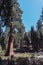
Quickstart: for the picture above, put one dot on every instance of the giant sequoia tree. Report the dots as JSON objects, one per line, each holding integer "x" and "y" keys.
{"x": 10, "y": 13}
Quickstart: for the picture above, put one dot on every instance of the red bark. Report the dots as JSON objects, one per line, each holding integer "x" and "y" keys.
{"x": 9, "y": 51}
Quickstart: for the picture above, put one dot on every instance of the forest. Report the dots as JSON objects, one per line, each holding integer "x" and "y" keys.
{"x": 12, "y": 28}
{"x": 18, "y": 47}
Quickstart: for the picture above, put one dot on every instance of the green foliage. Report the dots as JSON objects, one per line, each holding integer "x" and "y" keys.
{"x": 11, "y": 14}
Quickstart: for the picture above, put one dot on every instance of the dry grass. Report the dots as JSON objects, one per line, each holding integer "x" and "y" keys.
{"x": 22, "y": 55}
{"x": 19, "y": 55}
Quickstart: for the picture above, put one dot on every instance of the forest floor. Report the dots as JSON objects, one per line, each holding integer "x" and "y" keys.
{"x": 24, "y": 55}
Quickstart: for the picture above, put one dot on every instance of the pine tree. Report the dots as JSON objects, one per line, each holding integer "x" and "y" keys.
{"x": 11, "y": 17}
{"x": 34, "y": 39}
{"x": 40, "y": 30}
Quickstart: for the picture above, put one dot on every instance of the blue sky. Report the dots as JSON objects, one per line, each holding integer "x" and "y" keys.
{"x": 31, "y": 12}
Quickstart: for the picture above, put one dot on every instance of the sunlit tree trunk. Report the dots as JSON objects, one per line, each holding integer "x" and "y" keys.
{"x": 9, "y": 51}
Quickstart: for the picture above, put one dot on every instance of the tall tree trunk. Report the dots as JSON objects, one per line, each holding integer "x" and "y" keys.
{"x": 9, "y": 51}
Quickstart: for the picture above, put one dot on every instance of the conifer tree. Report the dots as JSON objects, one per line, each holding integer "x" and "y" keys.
{"x": 11, "y": 17}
